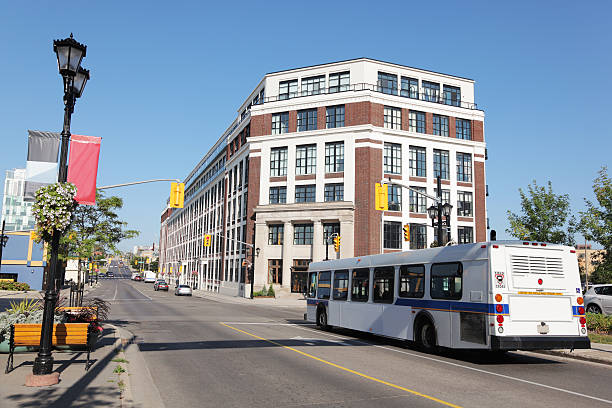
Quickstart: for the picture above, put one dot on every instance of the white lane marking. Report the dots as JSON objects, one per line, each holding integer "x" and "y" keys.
{"x": 458, "y": 365}
{"x": 116, "y": 289}
{"x": 269, "y": 323}
{"x": 141, "y": 293}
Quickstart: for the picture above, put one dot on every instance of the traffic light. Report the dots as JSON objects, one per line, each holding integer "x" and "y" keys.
{"x": 407, "y": 232}
{"x": 381, "y": 197}
{"x": 337, "y": 243}
{"x": 207, "y": 240}
{"x": 177, "y": 195}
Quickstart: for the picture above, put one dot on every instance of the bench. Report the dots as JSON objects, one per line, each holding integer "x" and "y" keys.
{"x": 64, "y": 334}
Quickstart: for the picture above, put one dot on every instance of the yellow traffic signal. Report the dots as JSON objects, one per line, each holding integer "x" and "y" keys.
{"x": 207, "y": 240}
{"x": 407, "y": 232}
{"x": 381, "y": 197}
{"x": 337, "y": 243}
{"x": 177, "y": 195}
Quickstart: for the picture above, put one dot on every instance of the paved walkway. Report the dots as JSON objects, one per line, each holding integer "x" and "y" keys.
{"x": 97, "y": 387}
{"x": 280, "y": 302}
{"x": 599, "y": 353}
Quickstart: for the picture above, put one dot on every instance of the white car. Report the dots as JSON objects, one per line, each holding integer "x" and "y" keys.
{"x": 182, "y": 290}
{"x": 598, "y": 299}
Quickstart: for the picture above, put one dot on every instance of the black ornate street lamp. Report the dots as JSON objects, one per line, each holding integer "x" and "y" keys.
{"x": 438, "y": 211}
{"x": 69, "y": 53}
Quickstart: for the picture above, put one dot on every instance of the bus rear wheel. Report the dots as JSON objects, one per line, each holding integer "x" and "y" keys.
{"x": 322, "y": 319}
{"x": 426, "y": 335}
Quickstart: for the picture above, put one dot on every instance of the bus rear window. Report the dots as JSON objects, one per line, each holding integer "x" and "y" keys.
{"x": 446, "y": 280}
{"x": 324, "y": 285}
{"x": 383, "y": 284}
{"x": 411, "y": 282}
{"x": 340, "y": 291}
{"x": 361, "y": 285}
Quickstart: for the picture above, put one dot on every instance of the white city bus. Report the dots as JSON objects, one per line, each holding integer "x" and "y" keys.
{"x": 500, "y": 295}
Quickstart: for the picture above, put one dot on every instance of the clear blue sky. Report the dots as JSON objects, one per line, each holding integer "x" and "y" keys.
{"x": 167, "y": 78}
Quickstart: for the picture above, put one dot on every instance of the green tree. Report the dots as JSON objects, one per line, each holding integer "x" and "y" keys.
{"x": 96, "y": 229}
{"x": 596, "y": 225}
{"x": 545, "y": 216}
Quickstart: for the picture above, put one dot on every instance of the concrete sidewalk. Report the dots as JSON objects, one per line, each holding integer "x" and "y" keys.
{"x": 100, "y": 386}
{"x": 20, "y": 294}
{"x": 257, "y": 301}
{"x": 598, "y": 353}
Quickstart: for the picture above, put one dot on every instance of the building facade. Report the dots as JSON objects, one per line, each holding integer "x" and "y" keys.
{"x": 16, "y": 212}
{"x": 300, "y": 162}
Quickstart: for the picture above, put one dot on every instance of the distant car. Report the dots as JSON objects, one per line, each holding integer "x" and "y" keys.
{"x": 138, "y": 278}
{"x": 110, "y": 275}
{"x": 160, "y": 285}
{"x": 182, "y": 290}
{"x": 598, "y": 299}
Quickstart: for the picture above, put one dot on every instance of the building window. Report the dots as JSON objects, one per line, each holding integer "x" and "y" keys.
{"x": 334, "y": 116}
{"x": 465, "y": 235}
{"x": 302, "y": 234}
{"x": 328, "y": 230}
{"x": 452, "y": 95}
{"x": 307, "y": 120}
{"x": 464, "y": 167}
{"x": 387, "y": 83}
{"x": 445, "y": 195}
{"x": 275, "y": 271}
{"x": 418, "y": 202}
{"x": 334, "y": 192}
{"x": 392, "y": 235}
{"x": 280, "y": 123}
{"x": 339, "y": 82}
{"x": 418, "y": 236}
{"x": 464, "y": 204}
{"x": 305, "y": 194}
{"x": 278, "y": 162}
{"x": 334, "y": 157}
{"x": 417, "y": 162}
{"x": 275, "y": 234}
{"x": 431, "y": 91}
{"x": 394, "y": 197}
{"x": 313, "y": 85}
{"x": 278, "y": 195}
{"x": 287, "y": 89}
{"x": 446, "y": 281}
{"x": 393, "y": 158}
{"x": 393, "y": 118}
{"x": 410, "y": 88}
{"x": 463, "y": 129}
{"x": 440, "y": 125}
{"x": 306, "y": 159}
{"x": 441, "y": 167}
{"x": 416, "y": 122}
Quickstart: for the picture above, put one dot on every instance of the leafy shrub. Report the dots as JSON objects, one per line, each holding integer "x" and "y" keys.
{"x": 271, "y": 291}
{"x": 4, "y": 285}
{"x": 599, "y": 323}
{"x": 26, "y": 305}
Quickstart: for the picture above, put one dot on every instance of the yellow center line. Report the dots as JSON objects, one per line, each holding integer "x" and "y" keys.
{"x": 397, "y": 387}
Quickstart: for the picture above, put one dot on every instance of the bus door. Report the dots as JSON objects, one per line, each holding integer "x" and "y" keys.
{"x": 446, "y": 289}
{"x": 311, "y": 297}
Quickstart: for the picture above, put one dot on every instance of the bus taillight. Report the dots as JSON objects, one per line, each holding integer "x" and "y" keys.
{"x": 581, "y": 310}
{"x": 582, "y": 320}
{"x": 500, "y": 319}
{"x": 580, "y": 300}
{"x": 498, "y": 298}
{"x": 540, "y": 281}
{"x": 499, "y": 308}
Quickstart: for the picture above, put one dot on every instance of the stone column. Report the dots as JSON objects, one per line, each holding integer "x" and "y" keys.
{"x": 261, "y": 261}
{"x": 287, "y": 254}
{"x": 318, "y": 250}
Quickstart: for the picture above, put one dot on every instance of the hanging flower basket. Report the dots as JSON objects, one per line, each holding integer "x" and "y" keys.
{"x": 53, "y": 209}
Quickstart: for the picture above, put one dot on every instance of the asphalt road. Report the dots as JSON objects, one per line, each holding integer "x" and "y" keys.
{"x": 206, "y": 353}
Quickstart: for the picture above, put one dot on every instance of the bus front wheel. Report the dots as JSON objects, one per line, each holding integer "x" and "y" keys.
{"x": 322, "y": 319}
{"x": 426, "y": 335}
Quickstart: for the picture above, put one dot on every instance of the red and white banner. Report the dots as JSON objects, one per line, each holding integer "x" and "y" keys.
{"x": 83, "y": 167}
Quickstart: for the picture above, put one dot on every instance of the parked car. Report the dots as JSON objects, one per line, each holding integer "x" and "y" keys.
{"x": 150, "y": 277}
{"x": 160, "y": 285}
{"x": 598, "y": 299}
{"x": 182, "y": 290}
{"x": 138, "y": 278}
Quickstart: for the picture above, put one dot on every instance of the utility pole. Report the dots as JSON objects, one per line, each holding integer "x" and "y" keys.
{"x": 586, "y": 267}
{"x": 3, "y": 241}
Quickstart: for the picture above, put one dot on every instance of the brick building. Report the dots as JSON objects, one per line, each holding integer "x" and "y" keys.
{"x": 301, "y": 160}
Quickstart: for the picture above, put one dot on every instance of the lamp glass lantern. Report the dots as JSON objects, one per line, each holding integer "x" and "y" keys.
{"x": 432, "y": 211}
{"x": 70, "y": 53}
{"x": 79, "y": 82}
{"x": 446, "y": 209}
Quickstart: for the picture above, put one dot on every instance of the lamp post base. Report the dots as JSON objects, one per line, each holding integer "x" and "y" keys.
{"x": 43, "y": 365}
{"x": 33, "y": 380}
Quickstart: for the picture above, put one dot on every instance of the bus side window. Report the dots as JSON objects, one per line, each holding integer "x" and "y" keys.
{"x": 446, "y": 280}
{"x": 324, "y": 285}
{"x": 312, "y": 285}
{"x": 340, "y": 291}
{"x": 412, "y": 279}
{"x": 383, "y": 284}
{"x": 361, "y": 285}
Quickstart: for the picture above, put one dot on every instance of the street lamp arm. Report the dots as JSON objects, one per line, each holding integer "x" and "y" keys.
{"x": 436, "y": 199}
{"x": 136, "y": 182}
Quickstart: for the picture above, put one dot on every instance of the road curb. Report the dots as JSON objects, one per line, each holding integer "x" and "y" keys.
{"x": 569, "y": 354}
